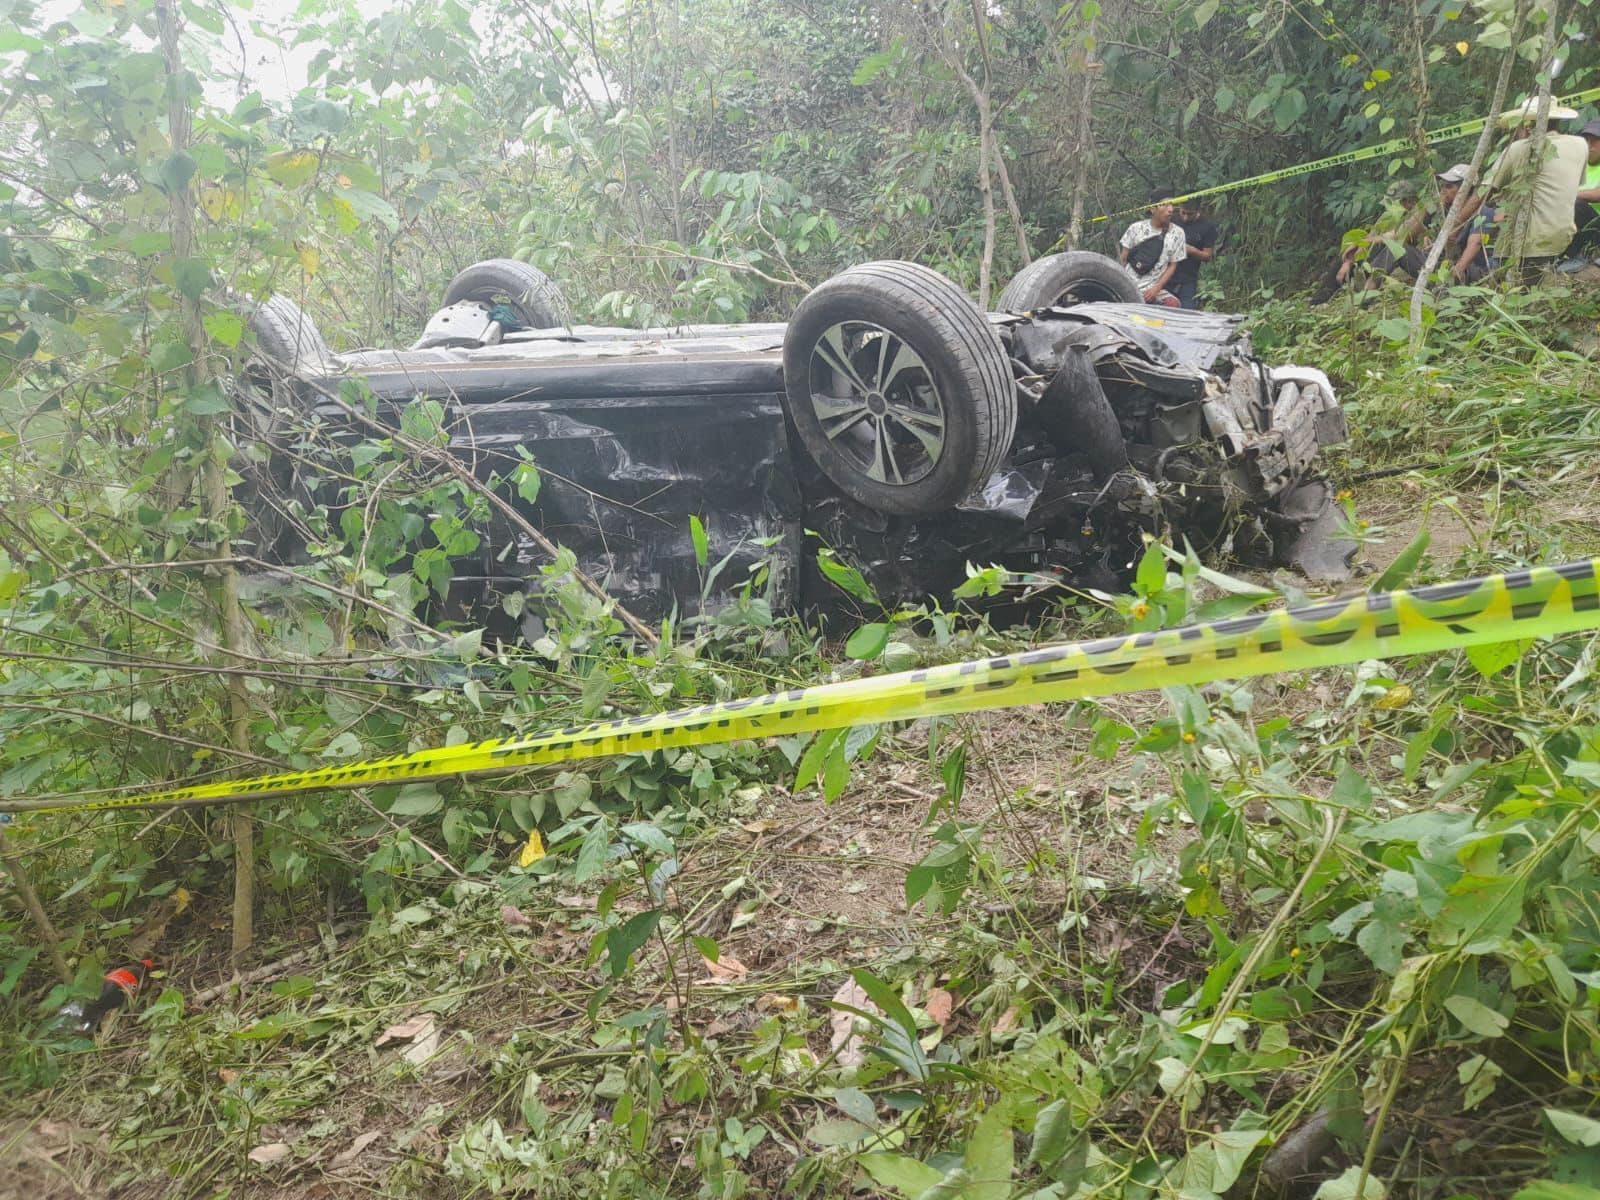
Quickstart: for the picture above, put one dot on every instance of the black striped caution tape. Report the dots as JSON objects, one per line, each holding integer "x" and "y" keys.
{"x": 1366, "y": 153}
{"x": 1497, "y": 608}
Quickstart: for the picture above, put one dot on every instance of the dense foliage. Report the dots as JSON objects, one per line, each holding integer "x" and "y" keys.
{"x": 1367, "y": 893}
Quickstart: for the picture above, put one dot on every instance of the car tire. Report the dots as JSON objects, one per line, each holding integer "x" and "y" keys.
{"x": 898, "y": 387}
{"x": 529, "y": 292}
{"x": 288, "y": 337}
{"x": 1073, "y": 277}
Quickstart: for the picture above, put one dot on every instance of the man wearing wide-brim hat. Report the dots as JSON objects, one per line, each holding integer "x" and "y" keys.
{"x": 1537, "y": 200}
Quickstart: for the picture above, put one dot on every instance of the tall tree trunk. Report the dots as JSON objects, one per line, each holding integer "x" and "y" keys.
{"x": 986, "y": 265}
{"x": 1012, "y": 207}
{"x": 1082, "y": 152}
{"x": 1541, "y": 122}
{"x": 214, "y": 482}
{"x": 1479, "y": 152}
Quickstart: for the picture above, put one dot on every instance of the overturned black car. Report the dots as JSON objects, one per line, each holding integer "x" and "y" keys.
{"x": 889, "y": 420}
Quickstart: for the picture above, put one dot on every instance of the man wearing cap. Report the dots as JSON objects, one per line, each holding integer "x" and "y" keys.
{"x": 1400, "y": 226}
{"x": 1467, "y": 247}
{"x": 1537, "y": 200}
{"x": 1587, "y": 215}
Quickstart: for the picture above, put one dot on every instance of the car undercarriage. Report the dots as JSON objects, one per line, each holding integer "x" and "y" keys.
{"x": 889, "y": 421}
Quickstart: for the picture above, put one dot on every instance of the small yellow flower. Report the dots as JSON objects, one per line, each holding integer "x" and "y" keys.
{"x": 1344, "y": 494}
{"x": 1140, "y": 610}
{"x": 1295, "y": 953}
{"x": 1203, "y": 869}
{"x": 1188, "y": 737}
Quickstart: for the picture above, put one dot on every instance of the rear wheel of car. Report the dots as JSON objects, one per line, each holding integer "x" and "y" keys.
{"x": 1073, "y": 277}
{"x": 287, "y": 336}
{"x": 898, "y": 387}
{"x": 269, "y": 407}
{"x": 526, "y": 290}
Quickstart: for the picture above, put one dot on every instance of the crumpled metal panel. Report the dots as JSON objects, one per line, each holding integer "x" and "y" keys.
{"x": 1170, "y": 337}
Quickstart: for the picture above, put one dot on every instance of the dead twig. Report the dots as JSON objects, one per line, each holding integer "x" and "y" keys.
{"x": 30, "y": 900}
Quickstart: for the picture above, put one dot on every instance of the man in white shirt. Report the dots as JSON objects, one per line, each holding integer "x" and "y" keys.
{"x": 1535, "y": 200}
{"x": 1152, "y": 250}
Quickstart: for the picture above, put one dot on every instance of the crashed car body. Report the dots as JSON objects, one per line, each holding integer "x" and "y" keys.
{"x": 889, "y": 420}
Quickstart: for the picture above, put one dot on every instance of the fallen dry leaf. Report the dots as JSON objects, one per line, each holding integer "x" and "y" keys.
{"x": 1007, "y": 1021}
{"x": 347, "y": 1156}
{"x": 410, "y": 1028}
{"x": 939, "y": 1005}
{"x": 777, "y": 1002}
{"x": 847, "y": 1045}
{"x": 227, "y": 1075}
{"x": 424, "y": 1045}
{"x": 514, "y": 917}
{"x": 727, "y": 969}
{"x": 765, "y": 825}
{"x": 272, "y": 1152}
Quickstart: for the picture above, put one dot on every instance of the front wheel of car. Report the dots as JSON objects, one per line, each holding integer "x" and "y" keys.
{"x": 526, "y": 290}
{"x": 1072, "y": 277}
{"x": 898, "y": 387}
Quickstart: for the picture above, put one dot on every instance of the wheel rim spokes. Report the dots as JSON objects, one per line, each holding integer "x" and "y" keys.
{"x": 874, "y": 398}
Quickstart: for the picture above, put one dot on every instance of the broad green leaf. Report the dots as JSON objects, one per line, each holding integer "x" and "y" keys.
{"x": 416, "y": 914}
{"x": 838, "y": 1131}
{"x": 192, "y": 276}
{"x": 592, "y": 852}
{"x": 1204, "y": 13}
{"x": 905, "y": 1175}
{"x": 1152, "y": 574}
{"x": 989, "y": 1156}
{"x": 1479, "y": 913}
{"x": 224, "y": 328}
{"x": 624, "y": 940}
{"x": 1232, "y": 1149}
{"x": 1052, "y": 1132}
{"x": 868, "y": 642}
{"x": 1495, "y": 657}
{"x": 292, "y": 168}
{"x": 1477, "y": 1017}
{"x": 815, "y": 756}
{"x": 1549, "y": 1189}
{"x": 1400, "y": 570}
{"x": 650, "y": 837}
{"x": 1383, "y": 938}
{"x": 1575, "y": 1127}
{"x": 845, "y": 577}
{"x": 1478, "y": 1077}
{"x": 417, "y": 800}
{"x": 176, "y": 171}
{"x": 1348, "y": 1186}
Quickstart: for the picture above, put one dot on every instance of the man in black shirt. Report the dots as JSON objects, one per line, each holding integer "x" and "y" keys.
{"x": 1201, "y": 234}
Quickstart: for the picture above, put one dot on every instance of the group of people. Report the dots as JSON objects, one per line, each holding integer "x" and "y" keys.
{"x": 1526, "y": 214}
{"x": 1529, "y": 214}
{"x": 1166, "y": 249}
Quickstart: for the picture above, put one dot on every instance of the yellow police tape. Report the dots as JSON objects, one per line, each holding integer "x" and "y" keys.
{"x": 1536, "y": 602}
{"x": 1381, "y": 150}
